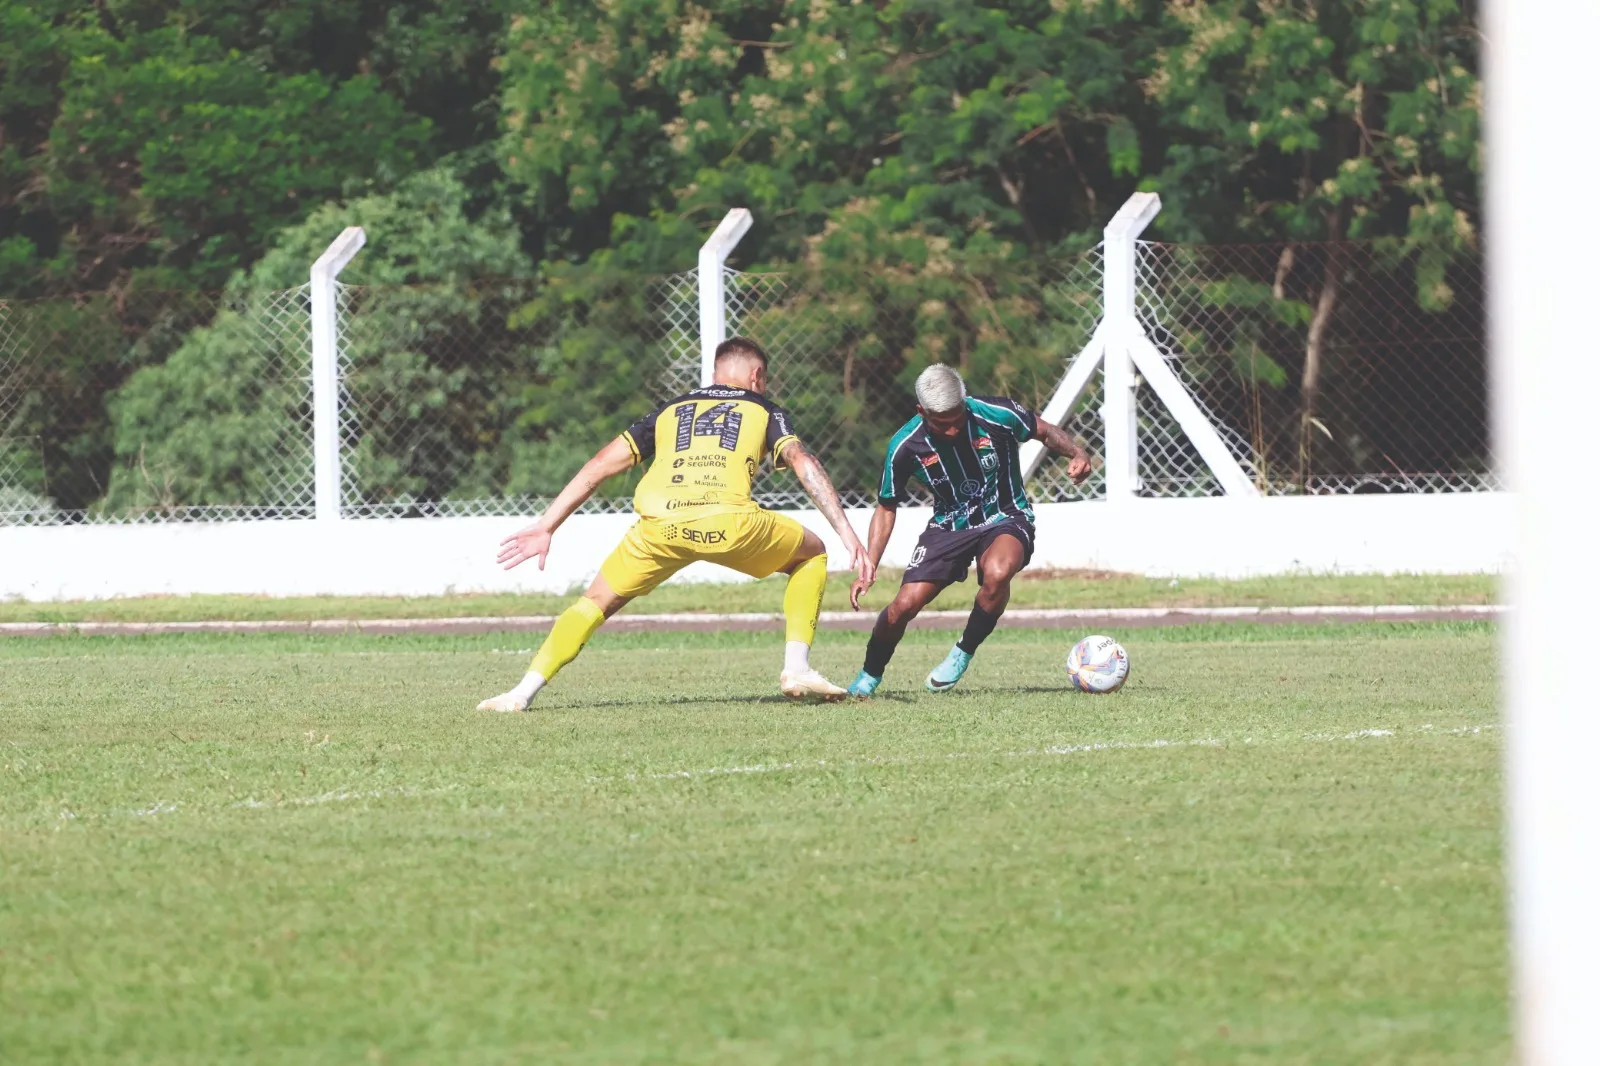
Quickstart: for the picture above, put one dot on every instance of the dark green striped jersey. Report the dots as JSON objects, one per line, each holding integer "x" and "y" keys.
{"x": 975, "y": 478}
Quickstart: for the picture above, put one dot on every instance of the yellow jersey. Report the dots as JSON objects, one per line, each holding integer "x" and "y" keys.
{"x": 704, "y": 449}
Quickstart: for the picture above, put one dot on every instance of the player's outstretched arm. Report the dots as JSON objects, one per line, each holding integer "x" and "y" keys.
{"x": 877, "y": 540}
{"x": 814, "y": 479}
{"x": 533, "y": 542}
{"x": 1059, "y": 441}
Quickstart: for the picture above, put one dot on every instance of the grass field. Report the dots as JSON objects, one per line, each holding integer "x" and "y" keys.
{"x": 1036, "y": 589}
{"x": 1276, "y": 845}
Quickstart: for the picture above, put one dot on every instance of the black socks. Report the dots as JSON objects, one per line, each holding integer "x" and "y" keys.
{"x": 879, "y": 649}
{"x": 980, "y": 624}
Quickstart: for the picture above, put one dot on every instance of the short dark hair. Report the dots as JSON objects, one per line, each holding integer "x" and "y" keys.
{"x": 741, "y": 346}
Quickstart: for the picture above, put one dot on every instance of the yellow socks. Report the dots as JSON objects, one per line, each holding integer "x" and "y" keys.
{"x": 568, "y": 636}
{"x": 802, "y": 600}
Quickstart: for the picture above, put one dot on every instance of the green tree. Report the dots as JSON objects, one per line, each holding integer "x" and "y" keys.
{"x": 147, "y": 136}
{"x": 1308, "y": 122}
{"x": 226, "y": 419}
{"x": 923, "y": 172}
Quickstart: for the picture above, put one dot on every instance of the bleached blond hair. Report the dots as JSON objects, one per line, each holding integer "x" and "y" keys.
{"x": 940, "y": 389}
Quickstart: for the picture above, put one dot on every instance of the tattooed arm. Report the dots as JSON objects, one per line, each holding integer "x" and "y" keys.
{"x": 814, "y": 479}
{"x": 1059, "y": 441}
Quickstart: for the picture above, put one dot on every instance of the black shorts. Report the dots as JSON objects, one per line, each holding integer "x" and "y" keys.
{"x": 943, "y": 556}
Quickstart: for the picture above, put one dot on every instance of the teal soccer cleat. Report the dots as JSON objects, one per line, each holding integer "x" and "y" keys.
{"x": 946, "y": 674}
{"x": 864, "y": 685}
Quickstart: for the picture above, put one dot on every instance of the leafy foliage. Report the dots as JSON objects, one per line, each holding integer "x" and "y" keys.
{"x": 142, "y": 136}
{"x": 226, "y": 419}
{"x": 923, "y": 173}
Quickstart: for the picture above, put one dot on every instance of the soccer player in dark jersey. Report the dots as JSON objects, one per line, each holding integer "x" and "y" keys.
{"x": 965, "y": 450}
{"x": 694, "y": 503}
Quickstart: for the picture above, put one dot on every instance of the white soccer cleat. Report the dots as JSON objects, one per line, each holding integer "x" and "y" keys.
{"x": 506, "y": 701}
{"x": 798, "y": 686}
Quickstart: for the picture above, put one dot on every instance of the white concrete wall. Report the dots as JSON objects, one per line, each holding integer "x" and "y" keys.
{"x": 1467, "y": 533}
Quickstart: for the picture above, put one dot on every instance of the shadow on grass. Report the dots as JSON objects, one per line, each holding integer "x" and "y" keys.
{"x": 691, "y": 701}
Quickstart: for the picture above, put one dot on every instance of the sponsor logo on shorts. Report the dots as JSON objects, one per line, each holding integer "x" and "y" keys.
{"x": 918, "y": 554}
{"x": 705, "y": 536}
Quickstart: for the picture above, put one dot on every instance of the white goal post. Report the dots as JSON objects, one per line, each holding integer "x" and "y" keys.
{"x": 1545, "y": 380}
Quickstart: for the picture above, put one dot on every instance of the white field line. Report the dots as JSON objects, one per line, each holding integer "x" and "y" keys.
{"x": 1023, "y": 616}
{"x": 1054, "y": 751}
{"x": 1031, "y": 753}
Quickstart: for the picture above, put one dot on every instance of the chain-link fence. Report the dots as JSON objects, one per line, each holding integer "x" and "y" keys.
{"x": 155, "y": 406}
{"x": 485, "y": 398}
{"x": 1326, "y": 368}
{"x": 846, "y": 351}
{"x": 1321, "y": 366}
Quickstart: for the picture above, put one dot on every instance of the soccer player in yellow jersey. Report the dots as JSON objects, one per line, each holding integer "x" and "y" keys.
{"x": 694, "y": 503}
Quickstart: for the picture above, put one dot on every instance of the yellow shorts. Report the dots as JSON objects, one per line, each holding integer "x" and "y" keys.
{"x": 752, "y": 542}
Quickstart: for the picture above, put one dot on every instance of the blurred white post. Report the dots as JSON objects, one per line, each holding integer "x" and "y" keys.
{"x": 713, "y": 304}
{"x": 1546, "y": 383}
{"x": 1120, "y": 409}
{"x": 325, "y": 367}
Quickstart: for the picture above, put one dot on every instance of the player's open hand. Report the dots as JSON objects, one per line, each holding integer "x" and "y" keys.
{"x": 532, "y": 542}
{"x": 1078, "y": 468}
{"x": 866, "y": 574}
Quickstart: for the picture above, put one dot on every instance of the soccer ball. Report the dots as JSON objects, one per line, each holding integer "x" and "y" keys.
{"x": 1097, "y": 664}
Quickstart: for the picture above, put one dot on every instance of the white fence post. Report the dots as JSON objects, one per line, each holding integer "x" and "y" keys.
{"x": 713, "y": 309}
{"x": 1196, "y": 426}
{"x": 1121, "y": 409}
{"x": 1066, "y": 396}
{"x": 1120, "y": 341}
{"x": 325, "y": 368}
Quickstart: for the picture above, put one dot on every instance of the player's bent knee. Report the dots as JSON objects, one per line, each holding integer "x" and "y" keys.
{"x": 997, "y": 580}
{"x": 603, "y": 596}
{"x": 904, "y": 607}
